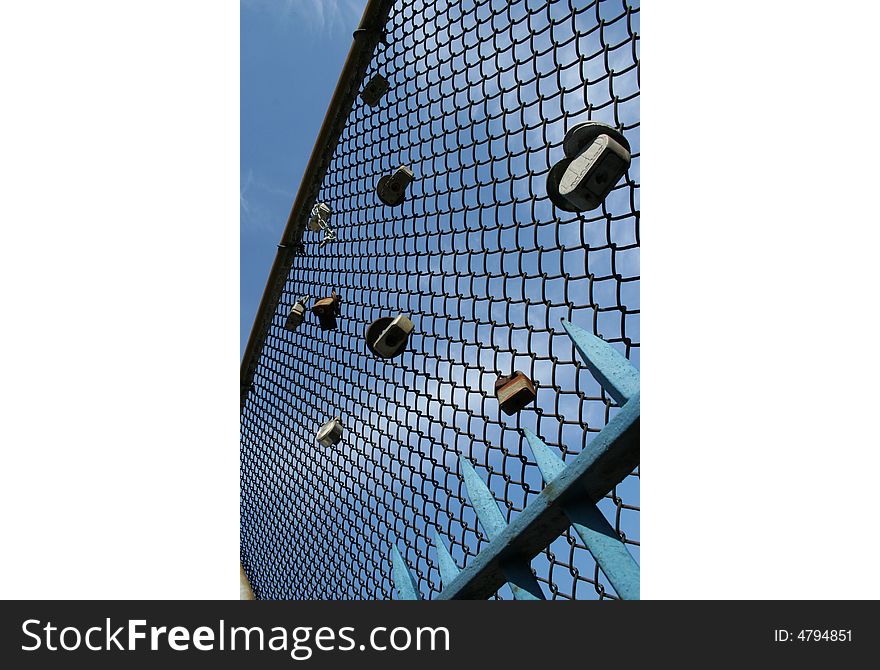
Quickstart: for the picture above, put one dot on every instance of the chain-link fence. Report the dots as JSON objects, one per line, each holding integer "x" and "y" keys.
{"x": 481, "y": 96}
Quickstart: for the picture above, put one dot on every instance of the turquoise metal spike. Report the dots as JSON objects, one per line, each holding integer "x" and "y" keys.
{"x": 448, "y": 569}
{"x": 403, "y": 579}
{"x": 606, "y": 460}
{"x": 590, "y": 524}
{"x": 610, "y": 368}
{"x": 518, "y": 573}
{"x": 549, "y": 463}
{"x": 522, "y": 581}
{"x": 607, "y": 548}
{"x": 491, "y": 518}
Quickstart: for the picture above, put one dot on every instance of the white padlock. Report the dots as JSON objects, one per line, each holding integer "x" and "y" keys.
{"x": 320, "y": 217}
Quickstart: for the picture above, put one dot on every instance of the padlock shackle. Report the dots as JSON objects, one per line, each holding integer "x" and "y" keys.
{"x": 375, "y": 331}
{"x": 579, "y": 137}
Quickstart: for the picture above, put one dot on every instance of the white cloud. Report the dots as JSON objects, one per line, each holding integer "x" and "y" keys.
{"x": 323, "y": 17}
{"x": 263, "y": 206}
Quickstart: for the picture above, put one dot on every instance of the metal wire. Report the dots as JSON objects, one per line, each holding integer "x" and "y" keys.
{"x": 481, "y": 96}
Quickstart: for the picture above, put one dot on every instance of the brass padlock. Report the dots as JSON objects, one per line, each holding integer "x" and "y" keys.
{"x": 391, "y": 188}
{"x": 297, "y": 314}
{"x": 597, "y": 156}
{"x": 327, "y": 309}
{"x": 514, "y": 392}
{"x": 387, "y": 336}
{"x": 330, "y": 433}
{"x": 374, "y": 90}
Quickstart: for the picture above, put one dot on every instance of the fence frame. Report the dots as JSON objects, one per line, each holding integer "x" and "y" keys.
{"x": 570, "y": 492}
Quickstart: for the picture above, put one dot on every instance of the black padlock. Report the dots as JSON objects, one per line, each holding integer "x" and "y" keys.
{"x": 391, "y": 188}
{"x": 327, "y": 309}
{"x": 374, "y": 90}
{"x": 514, "y": 392}
{"x": 387, "y": 336}
{"x": 597, "y": 156}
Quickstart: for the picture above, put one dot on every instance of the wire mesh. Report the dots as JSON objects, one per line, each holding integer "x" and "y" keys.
{"x": 481, "y": 96}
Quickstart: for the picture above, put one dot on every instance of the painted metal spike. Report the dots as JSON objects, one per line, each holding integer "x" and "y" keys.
{"x": 519, "y": 574}
{"x": 590, "y": 524}
{"x": 607, "y": 548}
{"x": 448, "y": 569}
{"x": 606, "y": 460}
{"x": 610, "y": 368}
{"x": 403, "y": 579}
{"x": 522, "y": 581}
{"x": 549, "y": 463}
{"x": 490, "y": 516}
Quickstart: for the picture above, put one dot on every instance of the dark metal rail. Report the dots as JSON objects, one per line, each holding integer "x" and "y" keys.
{"x": 369, "y": 33}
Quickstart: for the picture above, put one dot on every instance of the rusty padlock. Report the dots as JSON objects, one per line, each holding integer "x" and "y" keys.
{"x": 514, "y": 392}
{"x": 391, "y": 188}
{"x": 330, "y": 433}
{"x": 374, "y": 90}
{"x": 297, "y": 314}
{"x": 387, "y": 336}
{"x": 596, "y": 157}
{"x": 327, "y": 309}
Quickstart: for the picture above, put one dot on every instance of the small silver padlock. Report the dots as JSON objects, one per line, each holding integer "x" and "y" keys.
{"x": 391, "y": 188}
{"x": 387, "y": 336}
{"x": 597, "y": 156}
{"x": 319, "y": 219}
{"x": 330, "y": 433}
{"x": 297, "y": 314}
{"x": 374, "y": 90}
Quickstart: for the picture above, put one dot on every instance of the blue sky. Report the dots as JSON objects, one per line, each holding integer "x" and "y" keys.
{"x": 509, "y": 299}
{"x": 291, "y": 54}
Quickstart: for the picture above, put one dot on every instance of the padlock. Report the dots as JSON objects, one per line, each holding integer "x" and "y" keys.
{"x": 297, "y": 314}
{"x": 327, "y": 309}
{"x": 330, "y": 433}
{"x": 596, "y": 157}
{"x": 391, "y": 188}
{"x": 387, "y": 336}
{"x": 514, "y": 392}
{"x": 319, "y": 219}
{"x": 374, "y": 90}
